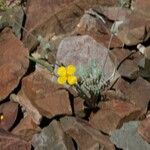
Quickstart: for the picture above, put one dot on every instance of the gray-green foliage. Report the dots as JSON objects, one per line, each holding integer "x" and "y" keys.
{"x": 45, "y": 47}
{"x": 3, "y": 5}
{"x": 124, "y": 3}
{"x": 91, "y": 81}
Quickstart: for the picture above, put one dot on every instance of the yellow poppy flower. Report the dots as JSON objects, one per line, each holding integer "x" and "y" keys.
{"x": 66, "y": 75}
{"x": 72, "y": 80}
{"x": 62, "y": 80}
{"x": 61, "y": 71}
{"x": 70, "y": 70}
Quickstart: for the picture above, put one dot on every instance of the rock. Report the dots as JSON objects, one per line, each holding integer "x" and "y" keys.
{"x": 144, "y": 66}
{"x": 144, "y": 129}
{"x": 137, "y": 57}
{"x": 13, "y": 64}
{"x": 9, "y": 141}
{"x": 9, "y": 110}
{"x": 78, "y": 49}
{"x": 116, "y": 13}
{"x": 127, "y": 137}
{"x": 120, "y": 87}
{"x": 144, "y": 63}
{"x": 78, "y": 105}
{"x": 134, "y": 30}
{"x": 142, "y": 6}
{"x": 52, "y": 137}
{"x": 113, "y": 114}
{"x": 129, "y": 70}
{"x": 84, "y": 135}
{"x": 12, "y": 18}
{"x": 63, "y": 19}
{"x": 32, "y": 111}
{"x": 126, "y": 67}
{"x": 13, "y": 3}
{"x": 112, "y": 94}
{"x": 137, "y": 92}
{"x": 48, "y": 98}
{"x": 98, "y": 28}
{"x": 118, "y": 55}
{"x": 26, "y": 129}
{"x": 42, "y": 10}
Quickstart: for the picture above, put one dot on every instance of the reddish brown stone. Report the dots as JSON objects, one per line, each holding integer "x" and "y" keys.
{"x": 9, "y": 141}
{"x": 47, "y": 97}
{"x": 96, "y": 28}
{"x": 137, "y": 92}
{"x": 126, "y": 67}
{"x": 42, "y": 9}
{"x": 129, "y": 69}
{"x": 144, "y": 129}
{"x": 9, "y": 110}
{"x": 26, "y": 129}
{"x": 116, "y": 13}
{"x": 134, "y": 30}
{"x": 63, "y": 18}
{"x": 118, "y": 55}
{"x": 85, "y": 136}
{"x": 78, "y": 105}
{"x": 13, "y": 62}
{"x": 113, "y": 114}
{"x": 143, "y": 7}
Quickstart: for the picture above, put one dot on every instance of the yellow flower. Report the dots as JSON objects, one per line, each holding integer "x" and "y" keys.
{"x": 1, "y": 117}
{"x": 66, "y": 75}
{"x": 72, "y": 80}
{"x": 61, "y": 71}
{"x": 71, "y": 70}
{"x": 62, "y": 80}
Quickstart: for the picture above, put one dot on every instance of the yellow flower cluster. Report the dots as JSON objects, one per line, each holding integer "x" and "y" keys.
{"x": 67, "y": 75}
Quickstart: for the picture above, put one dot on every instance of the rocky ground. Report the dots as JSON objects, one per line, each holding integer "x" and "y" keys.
{"x": 36, "y": 112}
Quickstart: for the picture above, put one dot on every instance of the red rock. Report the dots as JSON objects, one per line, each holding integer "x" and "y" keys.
{"x": 42, "y": 9}
{"x": 32, "y": 111}
{"x": 47, "y": 97}
{"x": 13, "y": 62}
{"x": 137, "y": 92}
{"x": 143, "y": 7}
{"x": 26, "y": 129}
{"x": 134, "y": 30}
{"x": 84, "y": 135}
{"x": 120, "y": 87}
{"x": 144, "y": 129}
{"x": 116, "y": 13}
{"x": 113, "y": 114}
{"x": 78, "y": 105}
{"x": 9, "y": 110}
{"x": 61, "y": 20}
{"x": 126, "y": 67}
{"x": 129, "y": 69}
{"x": 96, "y": 28}
{"x": 118, "y": 55}
{"x": 9, "y": 141}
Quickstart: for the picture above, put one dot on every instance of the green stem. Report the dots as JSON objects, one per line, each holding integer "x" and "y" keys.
{"x": 42, "y": 63}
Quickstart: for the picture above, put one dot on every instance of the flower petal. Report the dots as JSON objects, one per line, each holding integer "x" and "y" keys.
{"x": 71, "y": 70}
{"x": 61, "y": 71}
{"x": 62, "y": 80}
{"x": 72, "y": 80}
